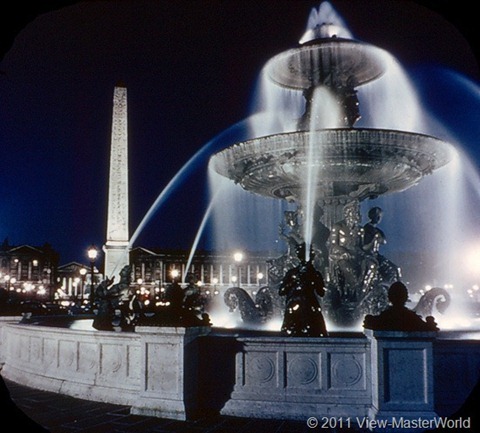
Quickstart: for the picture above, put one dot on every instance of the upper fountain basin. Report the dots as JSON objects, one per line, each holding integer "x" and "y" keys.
{"x": 332, "y": 61}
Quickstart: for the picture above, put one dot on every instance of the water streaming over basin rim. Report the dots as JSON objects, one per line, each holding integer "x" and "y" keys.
{"x": 356, "y": 160}
{"x": 308, "y": 65}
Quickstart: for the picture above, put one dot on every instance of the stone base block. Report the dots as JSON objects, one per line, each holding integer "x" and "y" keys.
{"x": 169, "y": 371}
{"x": 170, "y": 409}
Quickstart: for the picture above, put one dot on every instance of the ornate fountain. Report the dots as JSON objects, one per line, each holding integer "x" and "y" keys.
{"x": 350, "y": 165}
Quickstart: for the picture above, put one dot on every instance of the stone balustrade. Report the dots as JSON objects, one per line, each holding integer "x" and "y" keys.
{"x": 179, "y": 373}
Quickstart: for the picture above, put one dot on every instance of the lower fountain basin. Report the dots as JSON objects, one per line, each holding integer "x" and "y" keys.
{"x": 169, "y": 372}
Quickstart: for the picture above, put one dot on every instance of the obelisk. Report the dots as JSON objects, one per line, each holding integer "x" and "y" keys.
{"x": 116, "y": 247}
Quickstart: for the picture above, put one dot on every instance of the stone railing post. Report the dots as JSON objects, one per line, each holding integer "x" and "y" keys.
{"x": 169, "y": 371}
{"x": 402, "y": 376}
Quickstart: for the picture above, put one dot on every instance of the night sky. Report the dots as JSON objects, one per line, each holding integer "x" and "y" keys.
{"x": 190, "y": 68}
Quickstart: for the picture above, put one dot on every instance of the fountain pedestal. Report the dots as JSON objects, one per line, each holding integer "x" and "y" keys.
{"x": 402, "y": 376}
{"x": 169, "y": 371}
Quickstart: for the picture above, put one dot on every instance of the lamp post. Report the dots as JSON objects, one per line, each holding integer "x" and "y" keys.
{"x": 92, "y": 255}
{"x": 215, "y": 282}
{"x": 238, "y": 257}
{"x": 83, "y": 272}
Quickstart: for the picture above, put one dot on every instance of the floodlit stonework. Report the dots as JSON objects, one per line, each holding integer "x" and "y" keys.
{"x": 117, "y": 238}
{"x": 180, "y": 372}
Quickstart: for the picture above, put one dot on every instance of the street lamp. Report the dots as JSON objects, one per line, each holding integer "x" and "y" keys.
{"x": 238, "y": 256}
{"x": 259, "y": 277}
{"x": 92, "y": 255}
{"x": 174, "y": 273}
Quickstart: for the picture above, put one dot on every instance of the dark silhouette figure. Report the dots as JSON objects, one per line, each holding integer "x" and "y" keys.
{"x": 398, "y": 317}
{"x": 301, "y": 285}
{"x": 193, "y": 300}
{"x": 172, "y": 311}
{"x": 104, "y": 316}
{"x": 13, "y": 416}
{"x": 174, "y": 299}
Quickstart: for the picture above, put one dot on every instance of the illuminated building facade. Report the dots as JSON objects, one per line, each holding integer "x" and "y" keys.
{"x": 162, "y": 266}
{"x": 29, "y": 271}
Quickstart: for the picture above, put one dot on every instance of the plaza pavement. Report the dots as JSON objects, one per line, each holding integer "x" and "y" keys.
{"x": 27, "y": 410}
{"x": 62, "y": 414}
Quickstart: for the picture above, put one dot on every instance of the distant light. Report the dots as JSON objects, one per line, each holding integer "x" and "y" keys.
{"x": 238, "y": 256}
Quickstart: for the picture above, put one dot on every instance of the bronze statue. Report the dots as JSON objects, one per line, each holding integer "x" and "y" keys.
{"x": 351, "y": 268}
{"x": 290, "y": 230}
{"x": 110, "y": 299}
{"x": 398, "y": 317}
{"x": 301, "y": 286}
{"x": 373, "y": 238}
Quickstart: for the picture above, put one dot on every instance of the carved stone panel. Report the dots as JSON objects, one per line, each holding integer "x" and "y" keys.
{"x": 304, "y": 370}
{"x": 87, "y": 357}
{"x": 347, "y": 371}
{"x": 67, "y": 359}
{"x": 261, "y": 369}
